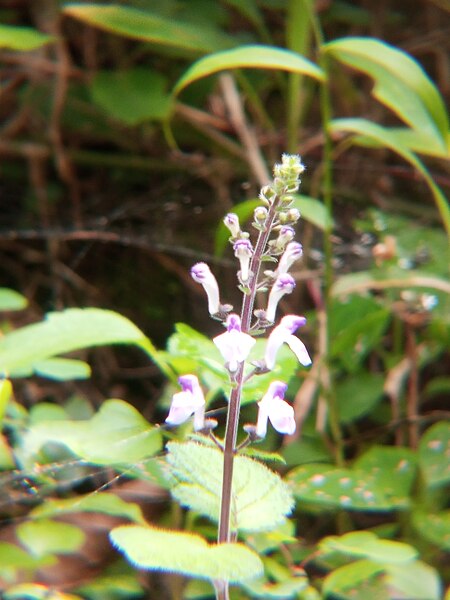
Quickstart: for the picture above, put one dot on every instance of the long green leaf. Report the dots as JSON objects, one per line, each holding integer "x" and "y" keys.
{"x": 150, "y": 27}
{"x": 66, "y": 331}
{"x": 253, "y": 57}
{"x": 400, "y": 83}
{"x": 185, "y": 553}
{"x": 387, "y": 138}
{"x": 22, "y": 38}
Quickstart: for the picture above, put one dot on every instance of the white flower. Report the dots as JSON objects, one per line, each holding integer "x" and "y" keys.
{"x": 234, "y": 345}
{"x": 293, "y": 252}
{"x": 283, "y": 334}
{"x": 284, "y": 284}
{"x": 243, "y": 250}
{"x": 231, "y": 222}
{"x": 189, "y": 401}
{"x": 273, "y": 407}
{"x": 201, "y": 273}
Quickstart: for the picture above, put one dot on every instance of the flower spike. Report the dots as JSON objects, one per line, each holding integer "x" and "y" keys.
{"x": 234, "y": 345}
{"x": 284, "y": 284}
{"x": 187, "y": 402}
{"x": 201, "y": 273}
{"x": 283, "y": 334}
{"x": 273, "y": 407}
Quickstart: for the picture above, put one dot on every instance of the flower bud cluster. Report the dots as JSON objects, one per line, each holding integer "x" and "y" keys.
{"x": 275, "y": 216}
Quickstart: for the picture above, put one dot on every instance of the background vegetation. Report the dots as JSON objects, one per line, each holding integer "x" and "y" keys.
{"x": 123, "y": 143}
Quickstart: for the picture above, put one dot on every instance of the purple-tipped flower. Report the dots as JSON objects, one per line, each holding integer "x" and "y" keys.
{"x": 293, "y": 252}
{"x": 201, "y": 273}
{"x": 285, "y": 236}
{"x": 243, "y": 250}
{"x": 283, "y": 334}
{"x": 284, "y": 284}
{"x": 231, "y": 222}
{"x": 234, "y": 345}
{"x": 190, "y": 401}
{"x": 273, "y": 407}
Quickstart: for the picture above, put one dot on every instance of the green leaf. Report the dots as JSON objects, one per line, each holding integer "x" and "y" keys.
{"x": 421, "y": 142}
{"x": 185, "y": 553}
{"x": 66, "y": 331}
{"x": 22, "y": 38}
{"x": 434, "y": 450}
{"x": 62, "y": 369}
{"x": 116, "y": 434}
{"x": 9, "y": 299}
{"x": 350, "y": 577}
{"x": 261, "y": 500}
{"x": 132, "y": 96}
{"x": 104, "y": 502}
{"x": 36, "y": 591}
{"x": 365, "y": 544}
{"x": 150, "y": 27}
{"x": 44, "y": 537}
{"x": 433, "y": 527}
{"x": 358, "y": 396}
{"x": 252, "y": 57}
{"x": 12, "y": 557}
{"x": 393, "y": 470}
{"x": 330, "y": 488}
{"x": 288, "y": 588}
{"x": 5, "y": 395}
{"x": 414, "y": 581}
{"x": 400, "y": 83}
{"x": 313, "y": 211}
{"x": 387, "y": 138}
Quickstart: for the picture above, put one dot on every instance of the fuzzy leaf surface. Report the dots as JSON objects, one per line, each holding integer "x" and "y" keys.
{"x": 434, "y": 450}
{"x": 185, "y": 553}
{"x": 261, "y": 500}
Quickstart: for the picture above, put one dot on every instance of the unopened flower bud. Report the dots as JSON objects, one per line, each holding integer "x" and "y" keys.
{"x": 284, "y": 284}
{"x": 231, "y": 222}
{"x": 293, "y": 215}
{"x": 260, "y": 214}
{"x": 243, "y": 250}
{"x": 201, "y": 273}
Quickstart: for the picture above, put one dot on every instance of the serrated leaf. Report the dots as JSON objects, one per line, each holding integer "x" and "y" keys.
{"x": 45, "y": 536}
{"x": 255, "y": 57}
{"x": 185, "y": 553}
{"x": 22, "y": 38}
{"x": 62, "y": 369}
{"x": 433, "y": 527}
{"x": 434, "y": 450}
{"x": 10, "y": 299}
{"x": 400, "y": 83}
{"x": 132, "y": 96}
{"x": 150, "y": 27}
{"x": 116, "y": 434}
{"x": 104, "y": 502}
{"x": 261, "y": 500}
{"x": 67, "y": 331}
{"x": 365, "y": 544}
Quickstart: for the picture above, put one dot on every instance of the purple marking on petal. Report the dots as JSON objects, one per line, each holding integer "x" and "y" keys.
{"x": 187, "y": 382}
{"x": 278, "y": 389}
{"x": 285, "y": 281}
{"x": 233, "y": 322}
{"x": 292, "y": 322}
{"x": 243, "y": 246}
{"x": 200, "y": 271}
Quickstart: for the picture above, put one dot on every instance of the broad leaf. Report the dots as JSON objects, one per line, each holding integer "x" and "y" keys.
{"x": 44, "y": 537}
{"x": 10, "y": 299}
{"x": 116, "y": 434}
{"x": 344, "y": 582}
{"x": 62, "y": 369}
{"x": 365, "y": 544}
{"x": 433, "y": 527}
{"x": 66, "y": 331}
{"x": 261, "y": 500}
{"x": 132, "y": 96}
{"x": 414, "y": 581}
{"x": 358, "y": 396}
{"x": 150, "y": 27}
{"x": 252, "y": 57}
{"x": 434, "y": 450}
{"x": 37, "y": 591}
{"x": 12, "y": 557}
{"x": 22, "y": 38}
{"x": 400, "y": 83}
{"x": 185, "y": 553}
